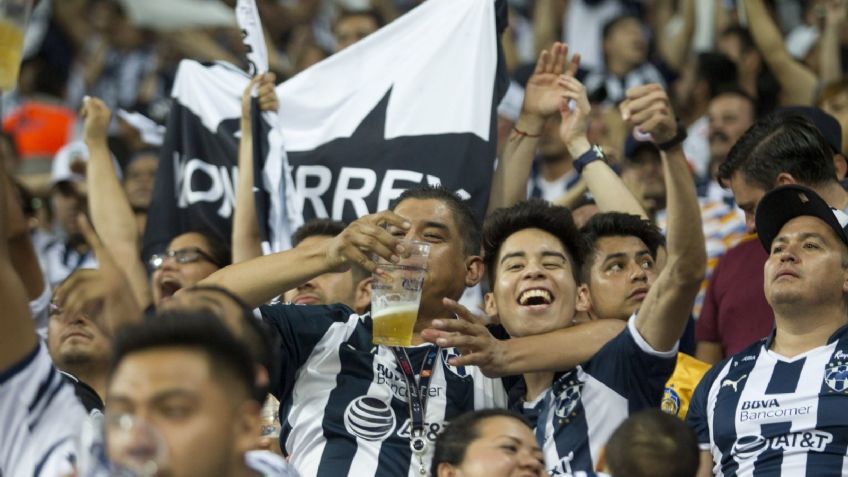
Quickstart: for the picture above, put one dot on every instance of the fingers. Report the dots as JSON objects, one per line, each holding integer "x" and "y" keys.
{"x": 560, "y": 52}
{"x": 542, "y": 62}
{"x": 388, "y": 219}
{"x": 462, "y": 312}
{"x": 248, "y": 90}
{"x": 266, "y": 93}
{"x": 575, "y": 90}
{"x": 573, "y": 66}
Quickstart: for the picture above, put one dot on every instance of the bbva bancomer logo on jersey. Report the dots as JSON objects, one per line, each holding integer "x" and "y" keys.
{"x": 760, "y": 409}
{"x": 749, "y": 447}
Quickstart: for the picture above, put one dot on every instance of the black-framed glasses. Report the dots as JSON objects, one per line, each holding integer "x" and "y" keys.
{"x": 182, "y": 256}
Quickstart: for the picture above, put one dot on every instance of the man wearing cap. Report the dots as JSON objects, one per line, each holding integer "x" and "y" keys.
{"x": 797, "y": 146}
{"x": 777, "y": 408}
{"x": 67, "y": 250}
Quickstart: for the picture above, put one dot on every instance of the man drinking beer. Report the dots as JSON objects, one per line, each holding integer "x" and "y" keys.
{"x": 346, "y": 403}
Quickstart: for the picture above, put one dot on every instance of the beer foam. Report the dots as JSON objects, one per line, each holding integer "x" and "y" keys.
{"x": 397, "y": 310}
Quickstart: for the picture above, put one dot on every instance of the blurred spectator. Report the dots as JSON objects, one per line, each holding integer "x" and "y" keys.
{"x": 66, "y": 250}
{"x": 754, "y": 77}
{"x": 651, "y": 444}
{"x": 700, "y": 81}
{"x": 487, "y": 443}
{"x": 351, "y": 287}
{"x": 354, "y": 25}
{"x": 138, "y": 183}
{"x": 626, "y": 64}
{"x": 834, "y": 101}
{"x": 731, "y": 112}
{"x": 114, "y": 61}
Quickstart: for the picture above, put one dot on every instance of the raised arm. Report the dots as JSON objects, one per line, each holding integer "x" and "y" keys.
{"x": 101, "y": 294}
{"x": 607, "y": 188}
{"x": 21, "y": 251}
{"x": 111, "y": 213}
{"x": 261, "y": 279}
{"x": 247, "y": 243}
{"x": 674, "y": 48}
{"x": 798, "y": 82}
{"x": 17, "y": 332}
{"x": 666, "y": 308}
{"x": 830, "y": 57}
{"x": 541, "y": 101}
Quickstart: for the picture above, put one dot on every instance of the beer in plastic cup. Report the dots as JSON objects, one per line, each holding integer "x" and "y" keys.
{"x": 14, "y": 15}
{"x": 395, "y": 296}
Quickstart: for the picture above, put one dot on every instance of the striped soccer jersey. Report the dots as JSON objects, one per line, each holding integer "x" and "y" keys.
{"x": 41, "y": 417}
{"x": 576, "y": 416}
{"x": 761, "y": 414}
{"x": 344, "y": 406}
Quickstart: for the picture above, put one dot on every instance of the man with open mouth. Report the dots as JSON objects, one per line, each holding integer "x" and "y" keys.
{"x": 533, "y": 253}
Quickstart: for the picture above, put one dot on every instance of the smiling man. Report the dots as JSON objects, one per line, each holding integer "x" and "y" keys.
{"x": 777, "y": 408}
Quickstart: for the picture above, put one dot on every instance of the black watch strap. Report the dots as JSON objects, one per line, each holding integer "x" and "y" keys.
{"x": 677, "y": 139}
{"x": 595, "y": 153}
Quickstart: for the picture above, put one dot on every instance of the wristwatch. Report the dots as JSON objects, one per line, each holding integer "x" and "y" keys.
{"x": 595, "y": 153}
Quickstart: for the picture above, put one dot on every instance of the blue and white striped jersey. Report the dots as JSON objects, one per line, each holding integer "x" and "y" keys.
{"x": 577, "y": 415}
{"x": 344, "y": 406}
{"x": 41, "y": 419}
{"x": 761, "y": 414}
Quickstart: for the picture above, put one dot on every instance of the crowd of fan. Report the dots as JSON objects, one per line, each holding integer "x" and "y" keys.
{"x": 623, "y": 275}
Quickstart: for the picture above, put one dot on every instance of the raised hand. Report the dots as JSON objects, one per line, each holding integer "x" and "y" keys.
{"x": 574, "y": 124}
{"x": 97, "y": 117}
{"x": 648, "y": 109}
{"x": 265, "y": 93}
{"x": 542, "y": 93}
{"x": 469, "y": 335}
{"x": 101, "y": 294}
{"x": 366, "y": 235}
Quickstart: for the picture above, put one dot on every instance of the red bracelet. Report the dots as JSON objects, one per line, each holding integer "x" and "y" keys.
{"x": 525, "y": 134}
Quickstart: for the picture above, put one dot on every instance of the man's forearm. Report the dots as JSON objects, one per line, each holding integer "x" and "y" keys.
{"x": 261, "y": 279}
{"x": 564, "y": 348}
{"x": 685, "y": 232}
{"x": 509, "y": 184}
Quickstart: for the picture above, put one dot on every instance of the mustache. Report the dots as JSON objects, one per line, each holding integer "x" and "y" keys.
{"x": 719, "y": 135}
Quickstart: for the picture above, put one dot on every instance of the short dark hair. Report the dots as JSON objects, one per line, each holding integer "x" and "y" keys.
{"x": 452, "y": 443}
{"x": 190, "y": 330}
{"x": 653, "y": 443}
{"x": 610, "y": 25}
{"x": 372, "y": 13}
{"x": 617, "y": 224}
{"x": 262, "y": 344}
{"x": 317, "y": 228}
{"x": 736, "y": 90}
{"x": 785, "y": 142}
{"x": 531, "y": 214}
{"x": 717, "y": 70}
{"x": 219, "y": 250}
{"x": 327, "y": 228}
{"x": 746, "y": 41}
{"x": 466, "y": 222}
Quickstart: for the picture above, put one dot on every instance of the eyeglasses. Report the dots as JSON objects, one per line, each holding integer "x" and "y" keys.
{"x": 182, "y": 256}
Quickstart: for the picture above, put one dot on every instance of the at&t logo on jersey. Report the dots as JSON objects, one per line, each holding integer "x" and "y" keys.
{"x": 369, "y": 418}
{"x": 749, "y": 447}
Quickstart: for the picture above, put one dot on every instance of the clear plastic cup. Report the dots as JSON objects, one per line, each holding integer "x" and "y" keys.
{"x": 14, "y": 15}
{"x": 396, "y": 295}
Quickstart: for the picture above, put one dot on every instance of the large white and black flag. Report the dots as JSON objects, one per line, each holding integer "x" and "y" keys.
{"x": 413, "y": 103}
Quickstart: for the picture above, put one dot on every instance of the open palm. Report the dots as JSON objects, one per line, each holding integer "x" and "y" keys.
{"x": 542, "y": 93}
